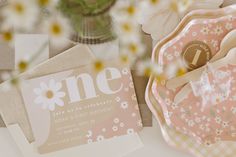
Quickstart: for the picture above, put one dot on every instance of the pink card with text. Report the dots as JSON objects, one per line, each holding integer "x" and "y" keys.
{"x": 81, "y": 106}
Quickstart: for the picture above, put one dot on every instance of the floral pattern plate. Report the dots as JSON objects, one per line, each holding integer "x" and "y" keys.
{"x": 172, "y": 136}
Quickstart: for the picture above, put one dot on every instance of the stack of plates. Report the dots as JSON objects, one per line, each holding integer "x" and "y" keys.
{"x": 188, "y": 123}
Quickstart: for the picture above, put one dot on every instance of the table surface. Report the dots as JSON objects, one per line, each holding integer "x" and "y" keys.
{"x": 154, "y": 145}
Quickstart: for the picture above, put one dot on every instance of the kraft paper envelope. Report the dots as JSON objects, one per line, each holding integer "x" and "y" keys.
{"x": 15, "y": 117}
{"x": 26, "y": 46}
{"x": 7, "y": 57}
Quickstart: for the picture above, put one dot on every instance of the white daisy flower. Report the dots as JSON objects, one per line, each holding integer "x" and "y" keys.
{"x": 214, "y": 43}
{"x": 89, "y": 141}
{"x": 218, "y": 30}
{"x": 168, "y": 114}
{"x": 205, "y": 30}
{"x": 127, "y": 58}
{"x": 125, "y": 71}
{"x": 225, "y": 124}
{"x": 218, "y": 98}
{"x": 124, "y": 105}
{"x": 89, "y": 134}
{"x": 116, "y": 120}
{"x": 127, "y": 30}
{"x": 7, "y": 36}
{"x": 122, "y": 125}
{"x": 191, "y": 123}
{"x": 104, "y": 130}
{"x": 134, "y": 97}
{"x": 13, "y": 82}
{"x": 218, "y": 120}
{"x": 115, "y": 128}
{"x": 117, "y": 99}
{"x": 135, "y": 48}
{"x": 23, "y": 63}
{"x": 21, "y": 14}
{"x": 233, "y": 109}
{"x": 219, "y": 132}
{"x": 124, "y": 10}
{"x": 177, "y": 53}
{"x": 229, "y": 26}
{"x": 131, "y": 85}
{"x": 48, "y": 96}
{"x": 174, "y": 106}
{"x": 58, "y": 28}
{"x": 47, "y": 3}
{"x": 207, "y": 143}
{"x": 98, "y": 64}
{"x": 130, "y": 131}
{"x": 139, "y": 123}
{"x": 169, "y": 57}
{"x": 148, "y": 68}
{"x": 100, "y": 138}
{"x": 197, "y": 120}
{"x": 148, "y": 8}
{"x": 175, "y": 69}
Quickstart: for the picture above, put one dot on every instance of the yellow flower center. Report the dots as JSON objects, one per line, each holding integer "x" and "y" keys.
{"x": 49, "y": 94}
{"x": 133, "y": 48}
{"x": 56, "y": 29}
{"x": 148, "y": 71}
{"x": 124, "y": 59}
{"x": 126, "y": 27}
{"x": 180, "y": 72}
{"x": 43, "y": 3}
{"x": 154, "y": 1}
{"x": 185, "y": 2}
{"x": 7, "y": 36}
{"x": 159, "y": 78}
{"x": 14, "y": 81}
{"x": 174, "y": 6}
{"x": 19, "y": 8}
{"x": 98, "y": 65}
{"x": 23, "y": 65}
{"x": 131, "y": 10}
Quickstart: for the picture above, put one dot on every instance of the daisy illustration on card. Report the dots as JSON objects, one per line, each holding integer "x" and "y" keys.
{"x": 49, "y": 95}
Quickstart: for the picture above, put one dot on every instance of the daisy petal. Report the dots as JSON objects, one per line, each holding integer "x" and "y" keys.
{"x": 43, "y": 86}
{"x": 58, "y": 86}
{"x": 37, "y": 91}
{"x": 51, "y": 107}
{"x": 39, "y": 100}
{"x": 52, "y": 84}
{"x": 60, "y": 94}
{"x": 59, "y": 102}
{"x": 44, "y": 106}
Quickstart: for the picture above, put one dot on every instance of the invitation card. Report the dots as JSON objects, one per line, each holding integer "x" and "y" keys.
{"x": 81, "y": 106}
